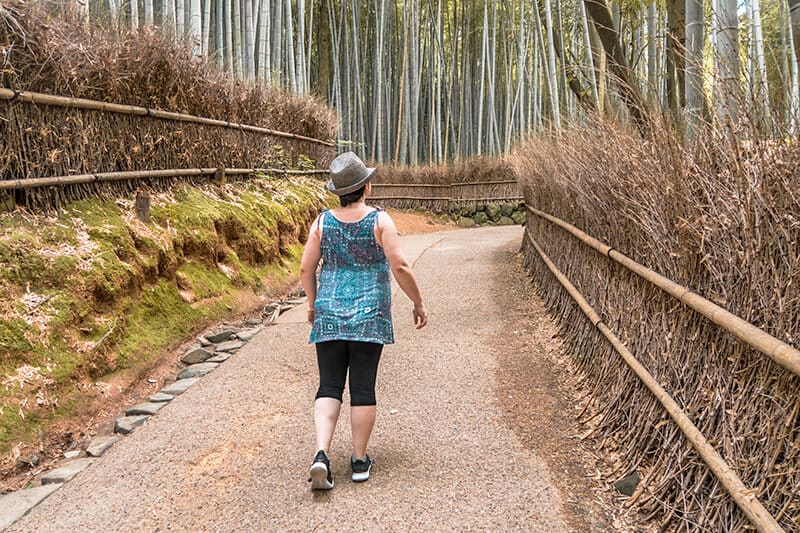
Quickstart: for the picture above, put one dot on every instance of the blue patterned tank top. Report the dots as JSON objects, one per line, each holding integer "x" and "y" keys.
{"x": 354, "y": 295}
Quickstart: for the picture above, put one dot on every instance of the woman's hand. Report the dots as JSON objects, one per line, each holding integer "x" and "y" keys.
{"x": 310, "y": 317}
{"x": 420, "y": 316}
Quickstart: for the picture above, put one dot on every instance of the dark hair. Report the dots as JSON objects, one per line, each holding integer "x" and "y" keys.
{"x": 353, "y": 197}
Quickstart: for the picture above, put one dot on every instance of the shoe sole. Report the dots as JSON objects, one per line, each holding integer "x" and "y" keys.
{"x": 319, "y": 477}
{"x": 360, "y": 477}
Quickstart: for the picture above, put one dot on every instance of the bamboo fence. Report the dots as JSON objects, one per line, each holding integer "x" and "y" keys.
{"x": 58, "y": 149}
{"x": 780, "y": 352}
{"x": 28, "y": 97}
{"x": 787, "y": 356}
{"x": 446, "y": 196}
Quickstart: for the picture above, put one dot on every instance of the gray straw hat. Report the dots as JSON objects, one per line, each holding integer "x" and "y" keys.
{"x": 348, "y": 174}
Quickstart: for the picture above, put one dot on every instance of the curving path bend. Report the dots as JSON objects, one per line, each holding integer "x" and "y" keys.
{"x": 231, "y": 453}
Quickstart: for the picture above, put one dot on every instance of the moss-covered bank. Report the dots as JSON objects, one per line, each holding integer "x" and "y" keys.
{"x": 96, "y": 292}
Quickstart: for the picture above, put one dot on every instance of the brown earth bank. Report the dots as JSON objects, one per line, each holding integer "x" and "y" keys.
{"x": 30, "y": 458}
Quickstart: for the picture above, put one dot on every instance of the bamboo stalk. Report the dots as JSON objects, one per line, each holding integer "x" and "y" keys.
{"x": 780, "y": 352}
{"x": 95, "y": 105}
{"x": 32, "y": 183}
{"x": 743, "y": 496}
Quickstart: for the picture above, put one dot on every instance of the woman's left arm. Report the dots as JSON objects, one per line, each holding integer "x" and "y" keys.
{"x": 308, "y": 267}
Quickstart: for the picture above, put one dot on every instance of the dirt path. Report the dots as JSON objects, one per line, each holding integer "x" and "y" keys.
{"x": 232, "y": 452}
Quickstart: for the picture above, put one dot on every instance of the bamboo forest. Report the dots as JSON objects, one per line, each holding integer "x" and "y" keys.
{"x": 419, "y": 81}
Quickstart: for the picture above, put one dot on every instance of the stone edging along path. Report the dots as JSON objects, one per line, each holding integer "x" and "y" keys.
{"x": 210, "y": 351}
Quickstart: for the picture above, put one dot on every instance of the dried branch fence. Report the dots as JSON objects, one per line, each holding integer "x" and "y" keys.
{"x": 445, "y": 197}
{"x": 780, "y": 352}
{"x": 39, "y": 141}
{"x": 95, "y": 105}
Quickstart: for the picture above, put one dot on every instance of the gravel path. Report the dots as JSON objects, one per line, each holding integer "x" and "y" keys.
{"x": 232, "y": 452}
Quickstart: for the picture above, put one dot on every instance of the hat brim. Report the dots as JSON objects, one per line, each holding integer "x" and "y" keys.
{"x": 350, "y": 188}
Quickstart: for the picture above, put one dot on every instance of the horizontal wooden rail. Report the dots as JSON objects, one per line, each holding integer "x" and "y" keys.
{"x": 744, "y": 498}
{"x": 447, "y": 185}
{"x": 780, "y": 352}
{"x": 410, "y": 185}
{"x": 500, "y": 182}
{"x": 77, "y": 179}
{"x": 447, "y": 199}
{"x": 123, "y": 109}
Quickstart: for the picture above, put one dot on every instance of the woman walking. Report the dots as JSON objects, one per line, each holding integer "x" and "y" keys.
{"x": 350, "y": 310}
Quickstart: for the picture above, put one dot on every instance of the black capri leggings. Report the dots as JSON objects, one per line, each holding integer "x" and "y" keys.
{"x": 334, "y": 358}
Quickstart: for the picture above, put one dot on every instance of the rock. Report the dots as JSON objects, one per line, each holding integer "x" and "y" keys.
{"x": 100, "y": 445}
{"x": 248, "y": 334}
{"x": 481, "y": 218}
{"x": 187, "y": 296}
{"x": 220, "y": 358}
{"x": 183, "y": 281}
{"x": 179, "y": 387}
{"x": 35, "y": 460}
{"x": 72, "y": 454}
{"x": 66, "y": 472}
{"x": 127, "y": 424}
{"x": 196, "y": 354}
{"x": 493, "y": 211}
{"x": 147, "y": 408}
{"x": 222, "y": 336}
{"x": 505, "y": 221}
{"x": 230, "y": 346}
{"x": 465, "y": 222}
{"x": 195, "y": 371}
{"x": 519, "y": 217}
{"x": 253, "y": 322}
{"x": 160, "y": 397}
{"x": 627, "y": 485}
{"x": 15, "y": 505}
{"x": 202, "y": 341}
{"x": 507, "y": 210}
{"x": 393, "y": 411}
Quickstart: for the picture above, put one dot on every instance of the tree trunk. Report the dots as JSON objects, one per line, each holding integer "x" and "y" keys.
{"x": 323, "y": 51}
{"x": 195, "y": 28}
{"x": 134, "y": 15}
{"x": 551, "y": 66}
{"x": 695, "y": 41}
{"x": 618, "y": 63}
{"x": 264, "y": 59}
{"x": 761, "y": 89}
{"x": 794, "y": 17}
{"x": 726, "y": 59}
{"x": 676, "y": 44}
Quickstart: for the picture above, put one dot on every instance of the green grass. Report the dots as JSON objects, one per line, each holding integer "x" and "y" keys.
{"x": 129, "y": 277}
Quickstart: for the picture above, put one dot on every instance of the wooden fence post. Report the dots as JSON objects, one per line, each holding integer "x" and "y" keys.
{"x": 143, "y": 206}
{"x": 220, "y": 178}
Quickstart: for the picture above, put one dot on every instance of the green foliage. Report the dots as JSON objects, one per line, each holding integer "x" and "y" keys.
{"x": 111, "y": 293}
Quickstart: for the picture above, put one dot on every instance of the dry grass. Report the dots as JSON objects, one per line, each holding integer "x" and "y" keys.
{"x": 43, "y": 53}
{"x": 724, "y": 222}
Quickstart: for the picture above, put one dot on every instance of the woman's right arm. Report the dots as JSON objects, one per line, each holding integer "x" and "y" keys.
{"x": 390, "y": 241}
{"x": 308, "y": 267}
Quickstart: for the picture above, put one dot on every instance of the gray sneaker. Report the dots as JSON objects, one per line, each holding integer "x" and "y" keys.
{"x": 361, "y": 468}
{"x": 320, "y": 473}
